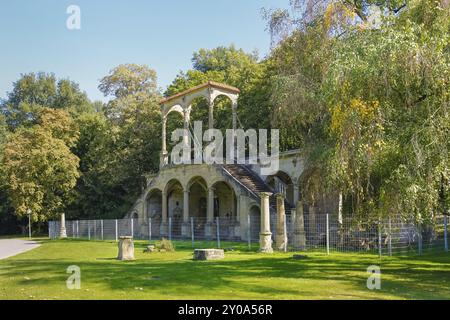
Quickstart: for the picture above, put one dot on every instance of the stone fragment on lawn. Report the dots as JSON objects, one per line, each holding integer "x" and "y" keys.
{"x": 299, "y": 256}
{"x": 208, "y": 254}
{"x": 150, "y": 248}
{"x": 126, "y": 248}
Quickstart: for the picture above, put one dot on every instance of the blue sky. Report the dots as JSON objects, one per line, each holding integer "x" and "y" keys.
{"x": 162, "y": 34}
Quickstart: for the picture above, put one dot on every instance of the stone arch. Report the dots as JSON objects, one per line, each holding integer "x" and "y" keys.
{"x": 281, "y": 182}
{"x": 225, "y": 200}
{"x": 225, "y": 117}
{"x": 197, "y": 179}
{"x": 198, "y": 109}
{"x": 173, "y": 121}
{"x": 255, "y": 221}
{"x": 174, "y": 193}
{"x": 199, "y": 96}
{"x": 153, "y": 205}
{"x": 153, "y": 200}
{"x": 174, "y": 108}
{"x": 198, "y": 195}
{"x": 231, "y": 97}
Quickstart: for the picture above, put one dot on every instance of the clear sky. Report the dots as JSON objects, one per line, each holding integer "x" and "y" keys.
{"x": 162, "y": 34}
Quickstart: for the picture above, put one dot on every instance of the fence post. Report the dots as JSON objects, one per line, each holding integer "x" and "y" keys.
{"x": 170, "y": 228}
{"x": 390, "y": 237}
{"x": 445, "y": 234}
{"x": 249, "y": 233}
{"x": 132, "y": 228}
{"x": 379, "y": 239}
{"x": 73, "y": 229}
{"x": 78, "y": 229}
{"x": 285, "y": 234}
{"x": 328, "y": 235}
{"x": 117, "y": 231}
{"x": 192, "y": 231}
{"x": 89, "y": 229}
{"x": 420, "y": 239}
{"x": 218, "y": 232}
{"x": 149, "y": 229}
{"x": 101, "y": 224}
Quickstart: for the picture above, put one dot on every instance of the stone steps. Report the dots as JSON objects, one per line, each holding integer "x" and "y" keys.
{"x": 254, "y": 183}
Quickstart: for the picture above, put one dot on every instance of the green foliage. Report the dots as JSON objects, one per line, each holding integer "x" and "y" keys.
{"x": 120, "y": 147}
{"x": 166, "y": 245}
{"x": 34, "y": 91}
{"x": 372, "y": 104}
{"x": 39, "y": 168}
{"x": 129, "y": 79}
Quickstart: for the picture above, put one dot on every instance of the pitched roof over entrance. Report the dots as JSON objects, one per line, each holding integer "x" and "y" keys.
{"x": 210, "y": 84}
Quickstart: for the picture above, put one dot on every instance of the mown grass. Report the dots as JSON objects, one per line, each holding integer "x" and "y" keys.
{"x": 243, "y": 274}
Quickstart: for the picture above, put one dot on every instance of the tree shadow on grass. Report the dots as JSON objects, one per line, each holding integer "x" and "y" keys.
{"x": 261, "y": 276}
{"x": 186, "y": 277}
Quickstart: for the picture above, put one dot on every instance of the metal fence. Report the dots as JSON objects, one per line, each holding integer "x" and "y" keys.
{"x": 320, "y": 232}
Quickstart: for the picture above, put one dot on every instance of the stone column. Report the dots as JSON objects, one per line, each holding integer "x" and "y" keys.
{"x": 186, "y": 128}
{"x": 164, "y": 228}
{"x": 296, "y": 194}
{"x": 234, "y": 110}
{"x": 265, "y": 236}
{"x": 281, "y": 236}
{"x": 164, "y": 156}
{"x": 299, "y": 238}
{"x": 126, "y": 248}
{"x": 312, "y": 224}
{"x": 186, "y": 226}
{"x": 62, "y": 229}
{"x": 209, "y": 232}
{"x": 211, "y": 115}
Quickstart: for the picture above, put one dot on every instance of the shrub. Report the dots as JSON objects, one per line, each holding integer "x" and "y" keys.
{"x": 166, "y": 245}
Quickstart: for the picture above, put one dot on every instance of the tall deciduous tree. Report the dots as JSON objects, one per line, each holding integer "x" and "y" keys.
{"x": 131, "y": 136}
{"x": 39, "y": 168}
{"x": 371, "y": 102}
{"x": 34, "y": 91}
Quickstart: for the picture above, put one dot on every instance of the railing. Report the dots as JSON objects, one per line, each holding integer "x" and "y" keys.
{"x": 315, "y": 232}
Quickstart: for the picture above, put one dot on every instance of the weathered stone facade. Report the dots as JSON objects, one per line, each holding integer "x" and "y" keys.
{"x": 233, "y": 192}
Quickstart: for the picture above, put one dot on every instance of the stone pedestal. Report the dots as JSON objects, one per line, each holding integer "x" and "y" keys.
{"x": 265, "y": 236}
{"x": 208, "y": 254}
{"x": 299, "y": 237}
{"x": 126, "y": 248}
{"x": 281, "y": 236}
{"x": 62, "y": 229}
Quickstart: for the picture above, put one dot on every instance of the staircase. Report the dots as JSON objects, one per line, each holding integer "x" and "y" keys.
{"x": 254, "y": 183}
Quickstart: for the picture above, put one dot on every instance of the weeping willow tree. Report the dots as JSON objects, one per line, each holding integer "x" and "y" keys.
{"x": 363, "y": 88}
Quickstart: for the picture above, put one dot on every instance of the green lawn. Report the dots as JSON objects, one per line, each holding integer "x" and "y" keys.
{"x": 41, "y": 274}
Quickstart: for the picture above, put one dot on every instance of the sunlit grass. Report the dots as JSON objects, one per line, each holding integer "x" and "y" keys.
{"x": 243, "y": 274}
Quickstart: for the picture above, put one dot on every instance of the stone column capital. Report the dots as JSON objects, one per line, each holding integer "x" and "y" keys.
{"x": 279, "y": 195}
{"x": 265, "y": 194}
